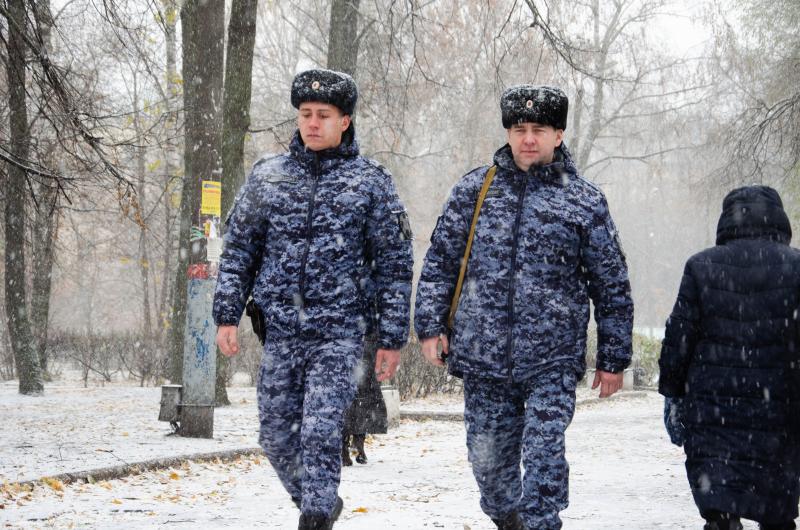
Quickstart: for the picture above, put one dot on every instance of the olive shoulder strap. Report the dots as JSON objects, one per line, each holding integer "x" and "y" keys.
{"x": 487, "y": 181}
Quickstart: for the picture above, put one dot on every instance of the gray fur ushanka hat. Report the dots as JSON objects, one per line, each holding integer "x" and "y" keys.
{"x": 325, "y": 86}
{"x": 546, "y": 105}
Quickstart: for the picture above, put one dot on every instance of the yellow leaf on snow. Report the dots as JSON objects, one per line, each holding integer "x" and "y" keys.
{"x": 174, "y": 476}
{"x": 116, "y": 501}
{"x": 360, "y": 509}
{"x": 55, "y": 484}
{"x": 104, "y": 484}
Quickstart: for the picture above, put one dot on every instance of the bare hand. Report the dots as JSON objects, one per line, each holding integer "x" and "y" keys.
{"x": 386, "y": 363}
{"x": 608, "y": 382}
{"x": 227, "y": 341}
{"x": 430, "y": 349}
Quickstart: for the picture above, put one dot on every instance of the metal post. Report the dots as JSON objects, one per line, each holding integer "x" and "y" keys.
{"x": 199, "y": 362}
{"x": 199, "y": 347}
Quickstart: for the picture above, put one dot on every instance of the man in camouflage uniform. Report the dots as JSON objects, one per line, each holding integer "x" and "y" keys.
{"x": 544, "y": 245}
{"x": 307, "y": 230}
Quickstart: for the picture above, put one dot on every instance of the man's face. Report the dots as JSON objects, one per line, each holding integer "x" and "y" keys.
{"x": 321, "y": 125}
{"x": 533, "y": 144}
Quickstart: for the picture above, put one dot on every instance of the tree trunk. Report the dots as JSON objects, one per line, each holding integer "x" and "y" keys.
{"x": 235, "y": 123}
{"x": 343, "y": 36}
{"x": 190, "y": 194}
{"x": 27, "y": 362}
{"x": 141, "y": 193}
{"x": 203, "y": 54}
{"x": 170, "y": 175}
{"x": 45, "y": 230}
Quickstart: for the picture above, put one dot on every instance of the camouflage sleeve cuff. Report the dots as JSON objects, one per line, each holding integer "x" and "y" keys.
{"x": 612, "y": 364}
{"x": 226, "y": 321}
{"x": 389, "y": 345}
{"x": 430, "y": 332}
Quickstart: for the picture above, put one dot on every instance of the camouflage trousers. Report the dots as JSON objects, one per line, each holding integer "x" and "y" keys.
{"x": 304, "y": 389}
{"x": 521, "y": 421}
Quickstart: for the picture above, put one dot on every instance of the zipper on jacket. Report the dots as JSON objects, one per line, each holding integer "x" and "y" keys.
{"x": 309, "y": 219}
{"x": 512, "y": 279}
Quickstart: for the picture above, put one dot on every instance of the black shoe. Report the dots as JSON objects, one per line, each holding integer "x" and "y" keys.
{"x": 509, "y": 522}
{"x": 724, "y": 524}
{"x": 337, "y": 509}
{"x": 321, "y": 522}
{"x": 346, "y": 461}
{"x": 314, "y": 522}
{"x": 358, "y": 441}
{"x": 296, "y": 502}
{"x": 781, "y": 526}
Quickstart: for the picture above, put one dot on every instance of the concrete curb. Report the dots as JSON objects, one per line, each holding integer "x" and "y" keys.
{"x": 115, "y": 472}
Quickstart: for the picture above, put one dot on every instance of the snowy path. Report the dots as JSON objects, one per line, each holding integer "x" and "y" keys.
{"x": 624, "y": 474}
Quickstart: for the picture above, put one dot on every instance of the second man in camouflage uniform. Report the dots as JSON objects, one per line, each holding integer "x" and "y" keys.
{"x": 544, "y": 246}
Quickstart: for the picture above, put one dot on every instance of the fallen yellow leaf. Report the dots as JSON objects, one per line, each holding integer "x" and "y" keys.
{"x": 55, "y": 484}
{"x": 174, "y": 476}
{"x": 116, "y": 501}
{"x": 360, "y": 509}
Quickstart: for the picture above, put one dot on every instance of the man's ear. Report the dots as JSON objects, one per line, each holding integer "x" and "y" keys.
{"x": 559, "y": 137}
{"x": 346, "y": 122}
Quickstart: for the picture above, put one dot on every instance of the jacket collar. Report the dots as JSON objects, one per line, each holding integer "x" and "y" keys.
{"x": 327, "y": 158}
{"x": 559, "y": 171}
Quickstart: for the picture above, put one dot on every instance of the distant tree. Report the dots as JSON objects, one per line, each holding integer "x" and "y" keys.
{"x": 343, "y": 36}
{"x": 19, "y": 325}
{"x": 235, "y": 125}
{"x": 756, "y": 54}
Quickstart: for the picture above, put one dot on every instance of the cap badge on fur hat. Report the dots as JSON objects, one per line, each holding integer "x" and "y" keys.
{"x": 529, "y": 104}
{"x": 315, "y": 85}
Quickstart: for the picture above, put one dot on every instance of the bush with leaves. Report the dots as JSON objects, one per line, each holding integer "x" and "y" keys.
{"x": 418, "y": 378}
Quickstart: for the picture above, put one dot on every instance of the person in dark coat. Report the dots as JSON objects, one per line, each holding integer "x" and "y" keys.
{"x": 730, "y": 367}
{"x": 367, "y": 414}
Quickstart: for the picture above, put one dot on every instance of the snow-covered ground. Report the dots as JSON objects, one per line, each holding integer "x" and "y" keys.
{"x": 624, "y": 472}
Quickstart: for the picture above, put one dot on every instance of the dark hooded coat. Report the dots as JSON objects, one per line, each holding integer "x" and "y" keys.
{"x": 731, "y": 351}
{"x": 367, "y": 414}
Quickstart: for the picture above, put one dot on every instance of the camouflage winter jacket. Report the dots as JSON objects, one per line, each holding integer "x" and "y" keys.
{"x": 304, "y": 230}
{"x": 544, "y": 244}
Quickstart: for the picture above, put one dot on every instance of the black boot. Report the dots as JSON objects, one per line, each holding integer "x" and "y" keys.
{"x": 337, "y": 509}
{"x": 509, "y": 522}
{"x": 346, "y": 461}
{"x": 789, "y": 525}
{"x": 721, "y": 521}
{"x": 321, "y": 522}
{"x": 314, "y": 522}
{"x": 358, "y": 441}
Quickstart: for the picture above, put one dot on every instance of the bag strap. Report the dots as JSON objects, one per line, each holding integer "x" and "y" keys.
{"x": 487, "y": 181}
